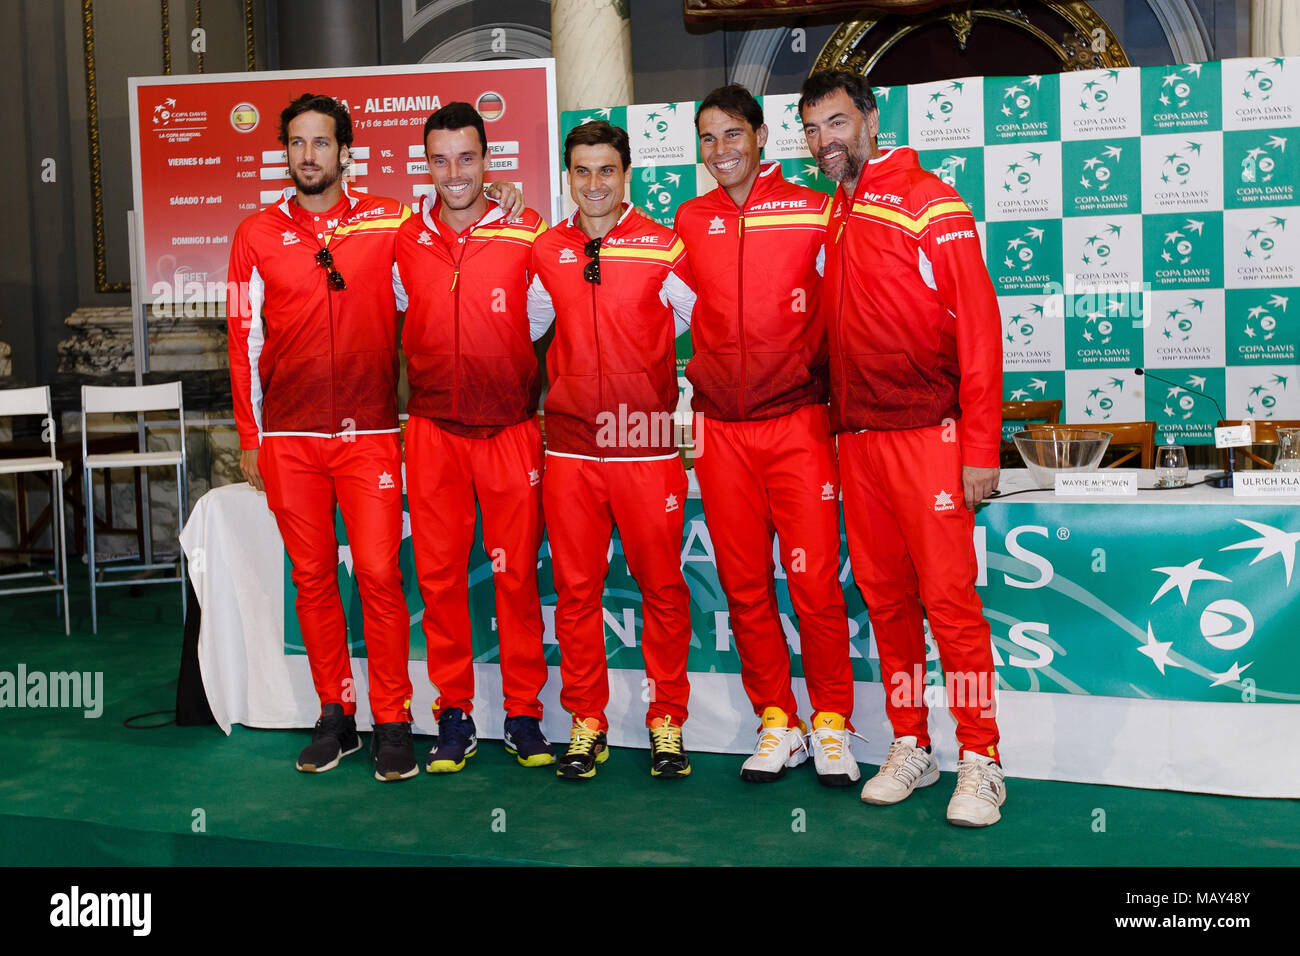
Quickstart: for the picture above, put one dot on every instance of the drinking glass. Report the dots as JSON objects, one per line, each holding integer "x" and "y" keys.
{"x": 1171, "y": 466}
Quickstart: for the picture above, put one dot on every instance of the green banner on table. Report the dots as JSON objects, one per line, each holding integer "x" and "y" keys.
{"x": 1122, "y": 600}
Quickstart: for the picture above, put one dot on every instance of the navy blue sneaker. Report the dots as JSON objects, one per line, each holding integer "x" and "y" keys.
{"x": 456, "y": 742}
{"x": 526, "y": 742}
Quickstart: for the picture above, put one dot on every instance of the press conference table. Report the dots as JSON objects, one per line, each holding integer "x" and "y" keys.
{"x": 1141, "y": 641}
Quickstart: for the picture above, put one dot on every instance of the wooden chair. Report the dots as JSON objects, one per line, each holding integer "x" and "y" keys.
{"x": 1139, "y": 438}
{"x": 1045, "y": 412}
{"x": 1264, "y": 432}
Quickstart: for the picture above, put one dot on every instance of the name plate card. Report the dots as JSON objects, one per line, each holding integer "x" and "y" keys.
{"x": 1091, "y": 484}
{"x": 1233, "y": 436}
{"x": 1266, "y": 484}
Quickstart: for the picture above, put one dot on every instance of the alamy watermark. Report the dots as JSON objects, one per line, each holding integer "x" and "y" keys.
{"x": 75, "y": 690}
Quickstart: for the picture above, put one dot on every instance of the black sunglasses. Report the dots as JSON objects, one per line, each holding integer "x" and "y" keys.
{"x": 333, "y": 276}
{"x": 591, "y": 271}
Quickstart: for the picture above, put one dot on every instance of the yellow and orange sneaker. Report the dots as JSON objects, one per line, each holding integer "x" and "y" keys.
{"x": 779, "y": 747}
{"x": 830, "y": 750}
{"x": 586, "y": 748}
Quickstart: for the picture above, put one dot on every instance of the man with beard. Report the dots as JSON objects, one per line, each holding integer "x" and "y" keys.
{"x": 473, "y": 435}
{"x": 767, "y": 463}
{"x": 916, "y": 388}
{"x": 312, "y": 313}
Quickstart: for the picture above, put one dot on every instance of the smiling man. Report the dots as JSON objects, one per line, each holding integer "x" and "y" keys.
{"x": 473, "y": 437}
{"x": 312, "y": 322}
{"x": 916, "y": 390}
{"x": 618, "y": 290}
{"x": 767, "y": 463}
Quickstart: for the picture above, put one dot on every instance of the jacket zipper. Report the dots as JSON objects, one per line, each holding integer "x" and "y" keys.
{"x": 740, "y": 315}
{"x": 455, "y": 313}
{"x": 600, "y": 365}
{"x": 329, "y": 311}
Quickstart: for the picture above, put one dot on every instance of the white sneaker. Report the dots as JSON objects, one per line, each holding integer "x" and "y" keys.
{"x": 906, "y": 767}
{"x": 830, "y": 750}
{"x": 779, "y": 748}
{"x": 981, "y": 790}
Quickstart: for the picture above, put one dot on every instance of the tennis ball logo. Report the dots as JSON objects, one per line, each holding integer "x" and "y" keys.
{"x": 1259, "y": 82}
{"x": 1261, "y": 242}
{"x": 1227, "y": 624}
{"x": 1182, "y": 90}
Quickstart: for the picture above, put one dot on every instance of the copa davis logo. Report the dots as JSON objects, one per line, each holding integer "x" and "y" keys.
{"x": 1099, "y": 179}
{"x": 1261, "y": 249}
{"x": 1180, "y": 403}
{"x": 1182, "y": 174}
{"x": 1097, "y": 248}
{"x": 1211, "y": 636}
{"x": 1260, "y": 91}
{"x": 785, "y": 129}
{"x": 1018, "y": 177}
{"x": 1181, "y": 98}
{"x": 1031, "y": 341}
{"x": 1022, "y": 108}
{"x": 176, "y": 125}
{"x": 659, "y": 190}
{"x": 1263, "y": 393}
{"x": 1183, "y": 251}
{"x": 1188, "y": 330}
{"x": 1100, "y": 400}
{"x": 891, "y": 102}
{"x": 1257, "y": 170}
{"x": 661, "y": 133}
{"x": 946, "y": 113}
{"x": 1022, "y": 394}
{"x": 1024, "y": 257}
{"x": 1030, "y": 182}
{"x": 1097, "y": 103}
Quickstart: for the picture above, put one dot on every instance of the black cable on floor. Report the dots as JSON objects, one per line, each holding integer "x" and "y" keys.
{"x": 153, "y": 713}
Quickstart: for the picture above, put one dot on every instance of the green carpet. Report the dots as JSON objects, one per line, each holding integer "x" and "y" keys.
{"x": 78, "y": 791}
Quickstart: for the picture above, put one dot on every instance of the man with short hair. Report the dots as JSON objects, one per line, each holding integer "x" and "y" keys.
{"x": 618, "y": 290}
{"x": 916, "y": 390}
{"x": 767, "y": 460}
{"x": 312, "y": 315}
{"x": 472, "y": 435}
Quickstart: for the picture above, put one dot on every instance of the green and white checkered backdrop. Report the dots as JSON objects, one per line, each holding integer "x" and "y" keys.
{"x": 1132, "y": 217}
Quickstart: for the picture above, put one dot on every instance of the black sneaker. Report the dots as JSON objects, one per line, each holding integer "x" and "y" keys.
{"x": 457, "y": 742}
{"x": 393, "y": 752}
{"x": 667, "y": 754}
{"x": 526, "y": 742}
{"x": 586, "y": 748}
{"x": 334, "y": 737}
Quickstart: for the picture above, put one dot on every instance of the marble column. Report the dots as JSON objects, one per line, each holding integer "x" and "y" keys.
{"x": 1274, "y": 28}
{"x": 591, "y": 41}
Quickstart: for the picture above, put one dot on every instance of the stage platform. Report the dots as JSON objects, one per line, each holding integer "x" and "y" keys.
{"x": 88, "y": 791}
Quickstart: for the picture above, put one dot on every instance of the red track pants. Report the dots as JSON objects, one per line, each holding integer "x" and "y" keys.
{"x": 779, "y": 475}
{"x": 584, "y": 500}
{"x": 305, "y": 478}
{"x": 444, "y": 474}
{"x": 910, "y": 542}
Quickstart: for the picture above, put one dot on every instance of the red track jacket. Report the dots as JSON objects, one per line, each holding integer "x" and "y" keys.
{"x": 758, "y": 337}
{"x": 910, "y": 311}
{"x": 470, "y": 361}
{"x": 613, "y": 359}
{"x": 306, "y": 359}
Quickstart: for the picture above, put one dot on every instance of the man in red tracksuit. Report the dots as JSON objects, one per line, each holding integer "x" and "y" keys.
{"x": 312, "y": 314}
{"x": 473, "y": 434}
{"x": 618, "y": 290}
{"x": 767, "y": 459}
{"x": 916, "y": 389}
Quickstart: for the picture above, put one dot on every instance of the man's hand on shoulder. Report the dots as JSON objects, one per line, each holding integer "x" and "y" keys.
{"x": 510, "y": 198}
{"x": 248, "y": 465}
{"x": 977, "y": 484}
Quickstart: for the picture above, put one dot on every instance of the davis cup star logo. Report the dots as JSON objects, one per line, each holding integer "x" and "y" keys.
{"x": 948, "y": 169}
{"x": 1178, "y": 244}
{"x": 1178, "y": 322}
{"x": 1097, "y": 250}
{"x": 1097, "y": 171}
{"x": 1100, "y": 403}
{"x": 1262, "y": 400}
{"x": 1020, "y": 327}
{"x": 941, "y": 103}
{"x": 1261, "y": 324}
{"x": 790, "y": 117}
{"x": 1224, "y": 625}
{"x": 1096, "y": 93}
{"x": 1177, "y": 168}
{"x": 1019, "y": 176}
{"x": 658, "y": 199}
{"x": 1179, "y": 401}
{"x": 1017, "y": 101}
{"x": 1260, "y": 241}
{"x": 1260, "y": 163}
{"x": 1022, "y": 395}
{"x": 162, "y": 113}
{"x": 1259, "y": 82}
{"x": 1020, "y": 252}
{"x": 1176, "y": 87}
{"x": 655, "y": 128}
